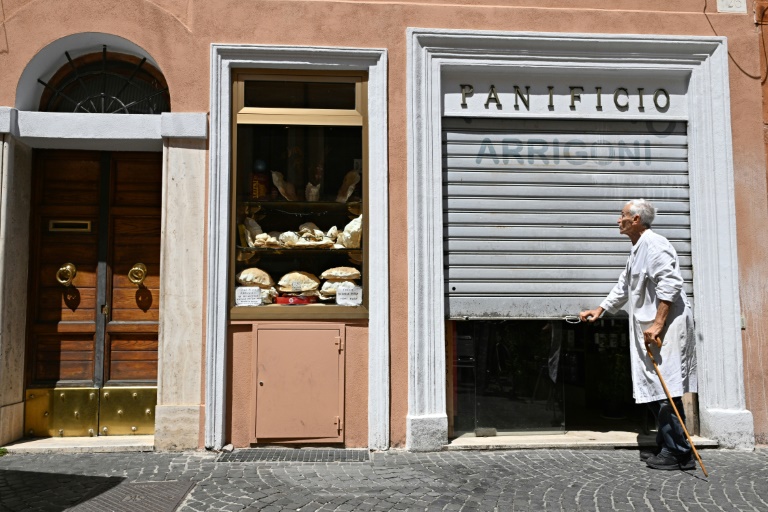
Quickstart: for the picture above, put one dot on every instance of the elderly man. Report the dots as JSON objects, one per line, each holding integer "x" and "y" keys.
{"x": 652, "y": 287}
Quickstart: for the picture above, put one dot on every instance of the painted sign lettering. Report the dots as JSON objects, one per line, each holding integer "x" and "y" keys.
{"x": 621, "y": 97}
{"x": 574, "y": 151}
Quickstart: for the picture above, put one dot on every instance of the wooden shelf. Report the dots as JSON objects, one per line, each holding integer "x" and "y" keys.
{"x": 283, "y": 250}
{"x": 306, "y": 208}
{"x": 298, "y": 312}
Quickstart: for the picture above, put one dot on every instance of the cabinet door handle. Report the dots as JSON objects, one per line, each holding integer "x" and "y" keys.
{"x": 66, "y": 274}
{"x": 137, "y": 274}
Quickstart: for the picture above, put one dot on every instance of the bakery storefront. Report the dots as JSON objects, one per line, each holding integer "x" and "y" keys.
{"x": 533, "y": 144}
{"x": 297, "y": 292}
{"x": 308, "y": 246}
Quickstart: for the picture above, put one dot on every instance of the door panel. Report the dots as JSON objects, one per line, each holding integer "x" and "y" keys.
{"x": 300, "y": 384}
{"x": 136, "y": 183}
{"x": 67, "y": 305}
{"x": 66, "y": 188}
{"x": 132, "y": 357}
{"x": 135, "y": 227}
{"x": 125, "y": 252}
{"x": 71, "y": 179}
{"x": 64, "y": 357}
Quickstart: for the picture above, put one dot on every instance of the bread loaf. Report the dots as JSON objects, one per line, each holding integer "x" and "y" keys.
{"x": 353, "y": 231}
{"x": 255, "y": 277}
{"x": 298, "y": 281}
{"x": 330, "y": 287}
{"x": 341, "y": 273}
{"x": 348, "y": 186}
{"x": 289, "y": 238}
{"x": 285, "y": 188}
{"x": 268, "y": 295}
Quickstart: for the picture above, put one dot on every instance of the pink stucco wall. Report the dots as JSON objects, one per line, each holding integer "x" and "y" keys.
{"x": 178, "y": 34}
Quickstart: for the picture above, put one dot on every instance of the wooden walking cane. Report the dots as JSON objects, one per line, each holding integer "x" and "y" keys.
{"x": 672, "y": 401}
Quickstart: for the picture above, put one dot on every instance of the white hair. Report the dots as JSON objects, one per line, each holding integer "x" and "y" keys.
{"x": 644, "y": 209}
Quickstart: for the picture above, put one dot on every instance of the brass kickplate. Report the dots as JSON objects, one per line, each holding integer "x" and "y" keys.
{"x": 82, "y": 412}
{"x": 61, "y": 412}
{"x": 127, "y": 411}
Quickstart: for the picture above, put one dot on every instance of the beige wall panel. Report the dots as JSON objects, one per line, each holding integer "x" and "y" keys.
{"x": 15, "y": 166}
{"x": 177, "y": 427}
{"x": 240, "y": 392}
{"x": 356, "y": 387}
{"x": 181, "y": 300}
{"x": 11, "y": 423}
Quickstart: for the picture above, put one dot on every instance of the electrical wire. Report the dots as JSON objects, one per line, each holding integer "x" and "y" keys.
{"x": 759, "y": 23}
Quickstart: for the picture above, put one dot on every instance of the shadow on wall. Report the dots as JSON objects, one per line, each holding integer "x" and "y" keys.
{"x": 52, "y": 492}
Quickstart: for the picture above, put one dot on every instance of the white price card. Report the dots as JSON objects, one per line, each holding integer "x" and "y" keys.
{"x": 732, "y": 6}
{"x": 349, "y": 296}
{"x": 248, "y": 296}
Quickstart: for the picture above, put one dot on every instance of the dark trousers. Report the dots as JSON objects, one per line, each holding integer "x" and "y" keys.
{"x": 670, "y": 435}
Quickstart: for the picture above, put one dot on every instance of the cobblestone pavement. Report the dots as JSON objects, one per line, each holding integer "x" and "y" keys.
{"x": 556, "y": 480}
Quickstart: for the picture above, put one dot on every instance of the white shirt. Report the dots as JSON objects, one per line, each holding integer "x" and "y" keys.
{"x": 652, "y": 274}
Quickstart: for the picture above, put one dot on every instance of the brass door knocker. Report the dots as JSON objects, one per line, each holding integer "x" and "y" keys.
{"x": 138, "y": 274}
{"x": 66, "y": 274}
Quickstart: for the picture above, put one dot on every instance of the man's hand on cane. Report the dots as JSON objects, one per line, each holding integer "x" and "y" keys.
{"x": 652, "y": 335}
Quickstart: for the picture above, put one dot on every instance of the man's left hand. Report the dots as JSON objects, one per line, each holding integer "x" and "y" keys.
{"x": 652, "y": 334}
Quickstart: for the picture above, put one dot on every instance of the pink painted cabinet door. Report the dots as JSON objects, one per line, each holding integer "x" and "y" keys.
{"x": 300, "y": 384}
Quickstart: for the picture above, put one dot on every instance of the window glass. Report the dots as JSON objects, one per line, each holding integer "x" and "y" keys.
{"x": 292, "y": 94}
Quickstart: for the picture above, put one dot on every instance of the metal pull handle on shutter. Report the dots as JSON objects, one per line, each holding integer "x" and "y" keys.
{"x": 138, "y": 274}
{"x": 66, "y": 274}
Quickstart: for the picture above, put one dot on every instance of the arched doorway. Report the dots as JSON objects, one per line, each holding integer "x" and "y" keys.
{"x": 94, "y": 278}
{"x": 106, "y": 83}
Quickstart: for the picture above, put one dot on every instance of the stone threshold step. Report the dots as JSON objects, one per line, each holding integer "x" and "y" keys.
{"x": 581, "y": 439}
{"x": 99, "y": 444}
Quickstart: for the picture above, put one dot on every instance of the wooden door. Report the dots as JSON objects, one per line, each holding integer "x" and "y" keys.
{"x": 65, "y": 229}
{"x": 134, "y": 220}
{"x": 95, "y": 216}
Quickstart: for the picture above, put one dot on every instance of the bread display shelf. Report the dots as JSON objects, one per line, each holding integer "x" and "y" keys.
{"x": 306, "y": 208}
{"x": 284, "y": 250}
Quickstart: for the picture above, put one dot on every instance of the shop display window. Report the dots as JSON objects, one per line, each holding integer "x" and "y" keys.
{"x": 513, "y": 376}
{"x": 298, "y": 219}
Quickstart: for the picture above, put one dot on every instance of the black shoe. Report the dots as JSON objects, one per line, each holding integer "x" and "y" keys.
{"x": 646, "y": 453}
{"x": 670, "y": 462}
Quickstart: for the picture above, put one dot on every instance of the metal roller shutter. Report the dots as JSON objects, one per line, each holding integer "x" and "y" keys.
{"x": 530, "y": 210}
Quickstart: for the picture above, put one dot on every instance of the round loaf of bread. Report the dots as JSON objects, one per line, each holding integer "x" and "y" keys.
{"x": 255, "y": 277}
{"x": 330, "y": 287}
{"x": 341, "y": 273}
{"x": 298, "y": 281}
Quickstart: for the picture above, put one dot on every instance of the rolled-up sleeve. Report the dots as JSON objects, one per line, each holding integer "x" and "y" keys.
{"x": 618, "y": 296}
{"x": 663, "y": 269}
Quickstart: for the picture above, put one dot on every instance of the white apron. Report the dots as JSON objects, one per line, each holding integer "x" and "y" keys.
{"x": 652, "y": 274}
